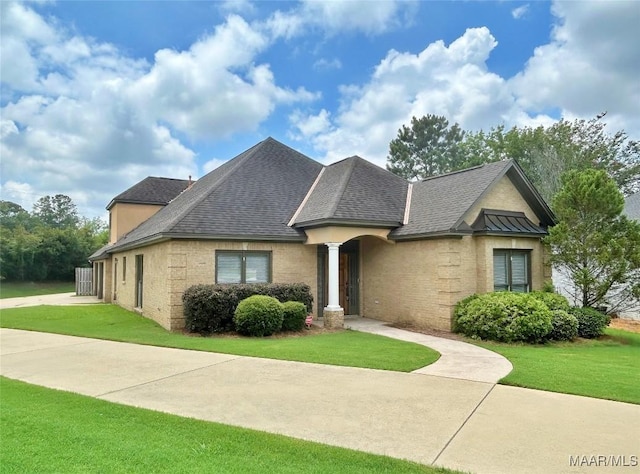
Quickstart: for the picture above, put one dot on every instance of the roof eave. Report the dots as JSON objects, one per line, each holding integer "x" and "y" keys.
{"x": 347, "y": 223}
{"x": 163, "y": 237}
{"x": 450, "y": 234}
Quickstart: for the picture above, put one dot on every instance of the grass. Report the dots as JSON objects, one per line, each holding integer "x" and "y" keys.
{"x": 45, "y": 430}
{"x": 607, "y": 368}
{"x": 15, "y": 289}
{"x": 347, "y": 348}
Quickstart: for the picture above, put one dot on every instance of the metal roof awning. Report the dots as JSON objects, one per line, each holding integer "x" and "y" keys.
{"x": 505, "y": 222}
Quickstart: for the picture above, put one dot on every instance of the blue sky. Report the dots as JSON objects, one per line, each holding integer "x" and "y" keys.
{"x": 96, "y": 96}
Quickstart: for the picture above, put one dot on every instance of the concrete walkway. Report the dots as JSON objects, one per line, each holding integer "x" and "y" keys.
{"x": 458, "y": 359}
{"x": 461, "y": 424}
{"x": 55, "y": 300}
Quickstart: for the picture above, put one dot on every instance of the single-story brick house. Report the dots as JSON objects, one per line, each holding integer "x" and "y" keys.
{"x": 368, "y": 242}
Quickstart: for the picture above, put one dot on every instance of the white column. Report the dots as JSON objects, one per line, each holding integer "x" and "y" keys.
{"x": 334, "y": 268}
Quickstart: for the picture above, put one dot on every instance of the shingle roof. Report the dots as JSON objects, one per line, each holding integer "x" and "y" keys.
{"x": 439, "y": 204}
{"x": 355, "y": 191}
{"x": 253, "y": 196}
{"x": 151, "y": 190}
{"x": 632, "y": 206}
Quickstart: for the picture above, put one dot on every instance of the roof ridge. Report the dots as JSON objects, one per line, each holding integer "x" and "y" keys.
{"x": 450, "y": 173}
{"x": 234, "y": 167}
{"x": 343, "y": 183}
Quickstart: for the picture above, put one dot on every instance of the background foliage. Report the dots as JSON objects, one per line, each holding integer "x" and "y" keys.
{"x": 48, "y": 243}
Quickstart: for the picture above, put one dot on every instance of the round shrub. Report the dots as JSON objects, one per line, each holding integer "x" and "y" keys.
{"x": 258, "y": 315}
{"x": 460, "y": 310}
{"x": 294, "y": 315}
{"x": 504, "y": 317}
{"x": 591, "y": 323}
{"x": 554, "y": 301}
{"x": 565, "y": 326}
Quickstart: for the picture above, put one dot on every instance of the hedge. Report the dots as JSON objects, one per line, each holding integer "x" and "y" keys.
{"x": 210, "y": 308}
{"x": 294, "y": 314}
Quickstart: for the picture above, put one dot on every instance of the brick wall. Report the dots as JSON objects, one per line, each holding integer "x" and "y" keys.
{"x": 172, "y": 267}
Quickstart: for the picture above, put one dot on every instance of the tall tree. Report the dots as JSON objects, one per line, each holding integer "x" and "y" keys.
{"x": 58, "y": 212}
{"x": 546, "y": 153}
{"x": 597, "y": 246}
{"x": 429, "y": 147}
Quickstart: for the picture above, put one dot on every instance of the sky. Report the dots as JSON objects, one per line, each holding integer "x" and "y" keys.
{"x": 97, "y": 95}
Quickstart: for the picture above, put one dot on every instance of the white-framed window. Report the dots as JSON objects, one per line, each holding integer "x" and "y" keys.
{"x": 512, "y": 270}
{"x": 235, "y": 266}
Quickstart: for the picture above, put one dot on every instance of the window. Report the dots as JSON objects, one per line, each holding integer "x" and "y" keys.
{"x": 511, "y": 270}
{"x": 124, "y": 269}
{"x": 243, "y": 267}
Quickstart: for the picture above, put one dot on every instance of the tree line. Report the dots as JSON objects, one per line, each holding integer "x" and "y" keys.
{"x": 582, "y": 171}
{"x": 48, "y": 243}
{"x": 431, "y": 146}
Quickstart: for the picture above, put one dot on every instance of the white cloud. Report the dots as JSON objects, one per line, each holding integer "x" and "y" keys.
{"x": 591, "y": 64}
{"x": 324, "y": 64}
{"x": 238, "y": 6}
{"x": 446, "y": 80}
{"x": 357, "y": 15}
{"x": 341, "y": 17}
{"x": 520, "y": 11}
{"x": 212, "y": 164}
{"x": 79, "y": 114}
{"x": 20, "y": 193}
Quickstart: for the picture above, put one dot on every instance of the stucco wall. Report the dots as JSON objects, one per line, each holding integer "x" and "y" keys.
{"x": 172, "y": 267}
{"x": 124, "y": 217}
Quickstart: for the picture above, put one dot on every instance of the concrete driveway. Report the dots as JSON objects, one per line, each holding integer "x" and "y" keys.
{"x": 462, "y": 424}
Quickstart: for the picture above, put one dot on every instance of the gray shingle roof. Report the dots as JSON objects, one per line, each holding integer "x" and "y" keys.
{"x": 253, "y": 196}
{"x": 152, "y": 190}
{"x": 632, "y": 206}
{"x": 439, "y": 204}
{"x": 355, "y": 191}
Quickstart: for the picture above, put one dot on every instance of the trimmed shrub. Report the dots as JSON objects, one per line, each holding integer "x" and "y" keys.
{"x": 460, "y": 310}
{"x": 565, "y": 326}
{"x": 554, "y": 301}
{"x": 206, "y": 310}
{"x": 210, "y": 308}
{"x": 591, "y": 323}
{"x": 504, "y": 317}
{"x": 258, "y": 315}
{"x": 294, "y": 315}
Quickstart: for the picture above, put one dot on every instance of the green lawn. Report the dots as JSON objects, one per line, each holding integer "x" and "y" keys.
{"x": 16, "y": 289}
{"x": 349, "y": 348}
{"x": 605, "y": 368}
{"x": 46, "y": 430}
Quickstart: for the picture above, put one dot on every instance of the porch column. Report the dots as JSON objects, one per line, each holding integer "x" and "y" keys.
{"x": 333, "y": 314}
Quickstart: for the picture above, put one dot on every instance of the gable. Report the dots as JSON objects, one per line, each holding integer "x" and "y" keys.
{"x": 503, "y": 196}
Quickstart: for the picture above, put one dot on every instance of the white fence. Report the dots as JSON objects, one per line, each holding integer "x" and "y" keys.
{"x": 84, "y": 282}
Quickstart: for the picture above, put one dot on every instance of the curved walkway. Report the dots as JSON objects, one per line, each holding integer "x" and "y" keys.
{"x": 458, "y": 360}
{"x": 460, "y": 424}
